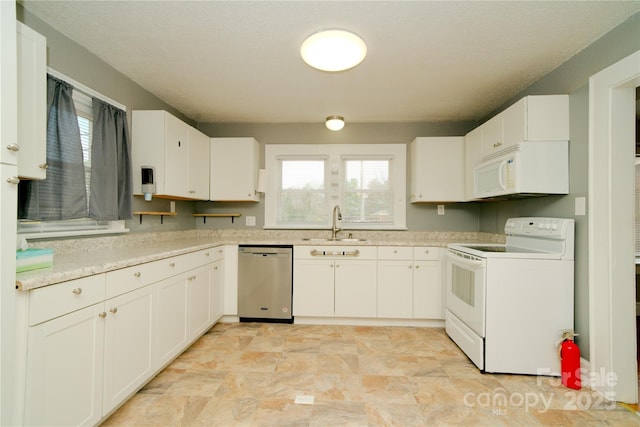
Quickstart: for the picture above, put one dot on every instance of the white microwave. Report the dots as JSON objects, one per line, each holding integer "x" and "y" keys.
{"x": 525, "y": 169}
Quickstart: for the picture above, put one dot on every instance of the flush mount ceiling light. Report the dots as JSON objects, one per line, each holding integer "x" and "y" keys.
{"x": 335, "y": 122}
{"x": 333, "y": 50}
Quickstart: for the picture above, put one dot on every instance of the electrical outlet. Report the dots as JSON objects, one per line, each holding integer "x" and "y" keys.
{"x": 172, "y": 206}
{"x": 581, "y": 205}
{"x": 440, "y": 209}
{"x": 250, "y": 221}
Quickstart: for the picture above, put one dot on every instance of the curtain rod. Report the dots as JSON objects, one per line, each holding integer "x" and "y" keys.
{"x": 85, "y": 89}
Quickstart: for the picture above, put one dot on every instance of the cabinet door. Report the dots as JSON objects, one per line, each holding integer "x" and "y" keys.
{"x": 234, "y": 169}
{"x": 313, "y": 288}
{"x": 472, "y": 154}
{"x": 356, "y": 288}
{"x": 65, "y": 370}
{"x": 171, "y": 318}
{"x": 395, "y": 289}
{"x": 437, "y": 169}
{"x": 492, "y": 139}
{"x": 428, "y": 290}
{"x": 199, "y": 301}
{"x": 8, "y": 86}
{"x": 198, "y": 165}
{"x": 129, "y": 339}
{"x": 176, "y": 160}
{"x": 217, "y": 290}
{"x": 32, "y": 103}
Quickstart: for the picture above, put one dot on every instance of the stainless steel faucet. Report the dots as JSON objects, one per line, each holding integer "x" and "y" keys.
{"x": 337, "y": 216}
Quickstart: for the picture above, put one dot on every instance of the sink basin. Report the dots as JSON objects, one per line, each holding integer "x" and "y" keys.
{"x": 333, "y": 240}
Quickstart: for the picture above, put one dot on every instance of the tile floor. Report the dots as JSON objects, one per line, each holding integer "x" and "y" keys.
{"x": 249, "y": 374}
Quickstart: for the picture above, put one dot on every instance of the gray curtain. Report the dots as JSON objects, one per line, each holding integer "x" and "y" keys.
{"x": 111, "y": 181}
{"x": 63, "y": 194}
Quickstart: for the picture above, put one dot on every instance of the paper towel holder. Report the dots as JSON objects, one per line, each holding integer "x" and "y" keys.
{"x": 148, "y": 182}
{"x": 262, "y": 181}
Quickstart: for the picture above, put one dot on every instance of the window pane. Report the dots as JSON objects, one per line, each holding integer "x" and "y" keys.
{"x": 368, "y": 197}
{"x": 301, "y": 198}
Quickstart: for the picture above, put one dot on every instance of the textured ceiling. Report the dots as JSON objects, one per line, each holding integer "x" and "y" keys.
{"x": 238, "y": 61}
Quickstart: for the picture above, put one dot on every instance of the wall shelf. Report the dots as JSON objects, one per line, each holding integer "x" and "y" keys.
{"x": 217, "y": 215}
{"x": 160, "y": 214}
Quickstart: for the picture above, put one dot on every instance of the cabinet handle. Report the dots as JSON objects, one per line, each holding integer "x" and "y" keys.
{"x": 43, "y": 166}
{"x": 77, "y": 291}
{"x": 13, "y": 180}
{"x": 13, "y": 147}
{"x": 172, "y": 264}
{"x": 137, "y": 274}
{"x": 102, "y": 315}
{"x": 114, "y": 310}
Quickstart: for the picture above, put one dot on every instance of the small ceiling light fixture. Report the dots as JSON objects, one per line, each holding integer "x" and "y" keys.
{"x": 333, "y": 50}
{"x": 335, "y": 122}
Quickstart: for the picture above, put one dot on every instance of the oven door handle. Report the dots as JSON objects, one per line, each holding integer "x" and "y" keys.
{"x": 465, "y": 260}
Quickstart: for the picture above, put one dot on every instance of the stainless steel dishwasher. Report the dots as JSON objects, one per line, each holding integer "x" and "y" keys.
{"x": 265, "y": 283}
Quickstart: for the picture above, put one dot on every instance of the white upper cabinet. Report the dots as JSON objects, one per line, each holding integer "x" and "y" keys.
{"x": 533, "y": 118}
{"x": 198, "y": 165}
{"x": 472, "y": 154}
{"x": 437, "y": 169}
{"x": 32, "y": 103}
{"x": 234, "y": 169}
{"x": 175, "y": 151}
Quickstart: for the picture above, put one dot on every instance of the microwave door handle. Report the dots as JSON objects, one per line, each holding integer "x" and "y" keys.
{"x": 503, "y": 166}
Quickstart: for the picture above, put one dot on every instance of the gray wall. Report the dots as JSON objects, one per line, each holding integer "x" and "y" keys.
{"x": 572, "y": 77}
{"x": 458, "y": 216}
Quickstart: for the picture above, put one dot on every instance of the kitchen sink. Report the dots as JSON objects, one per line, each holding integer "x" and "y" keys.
{"x": 333, "y": 240}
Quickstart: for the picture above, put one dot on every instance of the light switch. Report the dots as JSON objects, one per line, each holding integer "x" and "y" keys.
{"x": 250, "y": 221}
{"x": 440, "y": 209}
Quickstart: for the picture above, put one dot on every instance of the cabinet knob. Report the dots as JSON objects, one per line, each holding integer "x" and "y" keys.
{"x": 395, "y": 251}
{"x": 417, "y": 267}
{"x": 207, "y": 254}
{"x": 77, "y": 291}
{"x": 192, "y": 191}
{"x": 102, "y": 315}
{"x": 409, "y": 267}
{"x": 191, "y": 278}
{"x": 497, "y": 144}
{"x": 114, "y": 310}
{"x": 172, "y": 264}
{"x": 137, "y": 274}
{"x": 249, "y": 195}
{"x": 215, "y": 268}
{"x": 13, "y": 180}
{"x": 43, "y": 166}
{"x": 13, "y": 147}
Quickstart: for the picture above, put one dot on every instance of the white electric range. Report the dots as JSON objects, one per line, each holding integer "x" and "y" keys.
{"x": 508, "y": 304}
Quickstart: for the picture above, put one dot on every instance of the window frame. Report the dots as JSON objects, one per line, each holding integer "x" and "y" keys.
{"x": 336, "y": 154}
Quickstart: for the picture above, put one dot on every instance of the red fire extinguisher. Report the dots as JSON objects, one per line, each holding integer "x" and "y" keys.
{"x": 570, "y": 361}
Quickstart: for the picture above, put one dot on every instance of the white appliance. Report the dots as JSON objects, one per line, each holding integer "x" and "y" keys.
{"x": 507, "y": 305}
{"x": 525, "y": 169}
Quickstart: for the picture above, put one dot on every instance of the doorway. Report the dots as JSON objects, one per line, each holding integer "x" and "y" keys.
{"x": 612, "y": 94}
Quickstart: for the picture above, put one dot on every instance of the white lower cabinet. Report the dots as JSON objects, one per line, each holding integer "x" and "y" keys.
{"x": 355, "y": 288}
{"x": 93, "y": 342}
{"x": 313, "y": 287}
{"x": 334, "y": 281}
{"x": 65, "y": 370}
{"x": 392, "y": 282}
{"x": 129, "y": 336}
{"x": 428, "y": 285}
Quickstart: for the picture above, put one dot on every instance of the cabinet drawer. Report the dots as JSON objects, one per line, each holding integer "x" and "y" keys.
{"x": 55, "y": 300}
{"x": 137, "y": 276}
{"x": 426, "y": 253}
{"x": 215, "y": 253}
{"x": 395, "y": 252}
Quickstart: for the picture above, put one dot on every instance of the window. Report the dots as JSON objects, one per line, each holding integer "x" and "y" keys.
{"x": 82, "y": 98}
{"x": 366, "y": 181}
